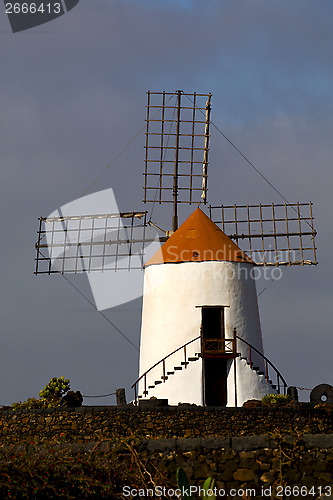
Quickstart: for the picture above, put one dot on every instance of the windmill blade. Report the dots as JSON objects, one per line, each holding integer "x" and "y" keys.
{"x": 271, "y": 235}
{"x": 102, "y": 242}
{"x": 177, "y": 146}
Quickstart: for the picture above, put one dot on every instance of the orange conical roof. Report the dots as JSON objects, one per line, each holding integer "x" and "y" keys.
{"x": 198, "y": 239}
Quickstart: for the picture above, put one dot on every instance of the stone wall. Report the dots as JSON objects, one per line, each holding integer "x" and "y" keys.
{"x": 243, "y": 467}
{"x": 250, "y": 452}
{"x": 93, "y": 423}
{"x": 259, "y": 464}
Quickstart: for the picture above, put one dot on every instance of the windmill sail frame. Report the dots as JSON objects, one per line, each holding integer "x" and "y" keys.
{"x": 86, "y": 243}
{"x": 177, "y": 142}
{"x": 271, "y": 234}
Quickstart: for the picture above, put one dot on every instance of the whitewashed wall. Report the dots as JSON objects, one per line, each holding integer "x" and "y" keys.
{"x": 170, "y": 318}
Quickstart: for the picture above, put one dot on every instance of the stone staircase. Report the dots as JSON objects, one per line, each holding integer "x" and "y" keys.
{"x": 179, "y": 366}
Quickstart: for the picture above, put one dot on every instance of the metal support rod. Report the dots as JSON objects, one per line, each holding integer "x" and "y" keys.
{"x": 135, "y": 394}
{"x": 162, "y": 150}
{"x": 175, "y": 175}
{"x": 300, "y": 229}
{"x": 205, "y": 160}
{"x": 38, "y": 244}
{"x": 235, "y": 381}
{"x": 235, "y": 341}
{"x": 235, "y": 367}
{"x": 314, "y": 233}
{"x": 147, "y": 148}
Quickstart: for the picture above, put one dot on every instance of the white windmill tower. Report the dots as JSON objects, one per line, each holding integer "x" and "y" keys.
{"x": 200, "y": 336}
{"x": 198, "y": 289}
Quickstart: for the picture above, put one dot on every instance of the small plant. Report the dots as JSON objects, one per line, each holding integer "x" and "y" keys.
{"x": 185, "y": 487}
{"x": 50, "y": 396}
{"x": 30, "y": 404}
{"x": 276, "y": 399}
{"x": 55, "y": 389}
{"x": 208, "y": 489}
{"x": 183, "y": 484}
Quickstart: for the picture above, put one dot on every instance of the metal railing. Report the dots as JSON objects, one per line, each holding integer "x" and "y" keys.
{"x": 162, "y": 362}
{"x": 280, "y": 381}
{"x": 226, "y": 346}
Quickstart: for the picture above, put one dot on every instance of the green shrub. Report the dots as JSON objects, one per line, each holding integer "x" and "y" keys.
{"x": 31, "y": 403}
{"x": 56, "y": 388}
{"x": 276, "y": 399}
{"x": 50, "y": 396}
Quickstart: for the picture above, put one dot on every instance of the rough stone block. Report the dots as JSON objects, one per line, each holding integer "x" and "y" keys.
{"x": 293, "y": 475}
{"x": 246, "y": 454}
{"x": 268, "y": 477}
{"x": 189, "y": 444}
{"x": 216, "y": 443}
{"x": 318, "y": 440}
{"x": 142, "y": 446}
{"x": 202, "y": 472}
{"x": 150, "y": 404}
{"x": 171, "y": 444}
{"x": 307, "y": 481}
{"x": 244, "y": 475}
{"x": 161, "y": 444}
{"x": 323, "y": 476}
{"x": 81, "y": 409}
{"x": 248, "y": 463}
{"x": 246, "y": 443}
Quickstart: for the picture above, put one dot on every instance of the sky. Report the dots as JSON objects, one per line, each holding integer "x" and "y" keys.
{"x": 73, "y": 95}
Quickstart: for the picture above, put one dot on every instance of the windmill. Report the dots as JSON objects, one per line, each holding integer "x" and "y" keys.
{"x": 201, "y": 339}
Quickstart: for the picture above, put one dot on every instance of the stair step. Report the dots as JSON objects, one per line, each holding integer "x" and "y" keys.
{"x": 178, "y": 368}
{"x": 260, "y": 373}
{"x": 139, "y": 397}
{"x": 151, "y": 386}
{"x": 193, "y": 359}
{"x": 274, "y": 386}
{"x": 184, "y": 363}
{"x": 170, "y": 373}
{"x": 255, "y": 368}
{"x": 144, "y": 393}
{"x": 157, "y": 382}
{"x": 243, "y": 357}
{"x": 164, "y": 378}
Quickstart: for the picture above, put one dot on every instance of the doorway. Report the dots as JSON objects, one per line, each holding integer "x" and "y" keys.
{"x": 215, "y": 379}
{"x": 212, "y": 328}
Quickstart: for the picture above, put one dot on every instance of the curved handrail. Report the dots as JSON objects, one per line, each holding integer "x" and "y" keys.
{"x": 162, "y": 361}
{"x": 266, "y": 360}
